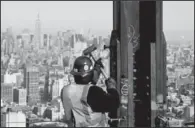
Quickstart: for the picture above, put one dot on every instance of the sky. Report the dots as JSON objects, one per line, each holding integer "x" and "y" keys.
{"x": 56, "y": 15}
{"x": 96, "y": 15}
{"x": 178, "y": 20}
{"x": 178, "y": 15}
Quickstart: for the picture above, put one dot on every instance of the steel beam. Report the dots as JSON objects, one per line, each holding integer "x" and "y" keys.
{"x": 143, "y": 64}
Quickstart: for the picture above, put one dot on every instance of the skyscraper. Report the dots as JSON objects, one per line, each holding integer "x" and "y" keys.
{"x": 46, "y": 87}
{"x": 19, "y": 96}
{"x": 7, "y": 92}
{"x": 31, "y": 38}
{"x": 46, "y": 41}
{"x": 31, "y": 81}
{"x": 55, "y": 89}
{"x": 10, "y": 40}
{"x": 8, "y": 44}
{"x": 26, "y": 38}
{"x": 38, "y": 33}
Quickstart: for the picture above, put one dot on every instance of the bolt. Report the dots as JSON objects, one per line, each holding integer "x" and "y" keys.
{"x": 134, "y": 94}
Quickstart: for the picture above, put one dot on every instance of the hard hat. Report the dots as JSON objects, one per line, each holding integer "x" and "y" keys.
{"x": 82, "y": 70}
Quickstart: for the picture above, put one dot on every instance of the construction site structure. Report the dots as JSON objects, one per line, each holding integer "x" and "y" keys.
{"x": 138, "y": 61}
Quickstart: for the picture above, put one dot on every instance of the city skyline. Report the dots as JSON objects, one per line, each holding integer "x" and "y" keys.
{"x": 80, "y": 16}
{"x": 76, "y": 15}
{"x": 38, "y": 56}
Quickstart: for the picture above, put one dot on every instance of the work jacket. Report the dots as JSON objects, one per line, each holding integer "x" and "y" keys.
{"x": 74, "y": 99}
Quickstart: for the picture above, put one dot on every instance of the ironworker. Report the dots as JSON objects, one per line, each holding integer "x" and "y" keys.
{"x": 85, "y": 104}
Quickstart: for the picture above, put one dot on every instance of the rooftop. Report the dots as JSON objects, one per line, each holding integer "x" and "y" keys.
{"x": 58, "y": 67}
{"x": 7, "y": 84}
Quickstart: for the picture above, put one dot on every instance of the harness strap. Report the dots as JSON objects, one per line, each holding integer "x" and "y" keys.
{"x": 86, "y": 108}
{"x": 84, "y": 94}
{"x": 91, "y": 119}
{"x": 70, "y": 104}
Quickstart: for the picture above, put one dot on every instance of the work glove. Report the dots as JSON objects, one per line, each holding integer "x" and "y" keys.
{"x": 110, "y": 83}
{"x": 98, "y": 65}
{"x": 96, "y": 71}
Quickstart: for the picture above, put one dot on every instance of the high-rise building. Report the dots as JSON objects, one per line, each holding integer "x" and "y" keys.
{"x": 72, "y": 41}
{"x": 39, "y": 110}
{"x": 96, "y": 41}
{"x": 7, "y": 92}
{"x": 41, "y": 93}
{"x": 100, "y": 39}
{"x": 20, "y": 96}
{"x": 52, "y": 114}
{"x": 3, "y": 70}
{"x": 31, "y": 38}
{"x": 55, "y": 89}
{"x": 8, "y": 45}
{"x": 3, "y": 43}
{"x": 19, "y": 42}
{"x": 46, "y": 41}
{"x": 19, "y": 79}
{"x": 9, "y": 41}
{"x": 9, "y": 30}
{"x": 60, "y": 60}
{"x": 49, "y": 41}
{"x": 31, "y": 82}
{"x": 38, "y": 41}
{"x": 46, "y": 87}
{"x": 60, "y": 40}
{"x": 26, "y": 38}
{"x": 4, "y": 46}
{"x": 79, "y": 47}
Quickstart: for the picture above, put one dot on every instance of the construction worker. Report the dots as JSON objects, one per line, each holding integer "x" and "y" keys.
{"x": 84, "y": 103}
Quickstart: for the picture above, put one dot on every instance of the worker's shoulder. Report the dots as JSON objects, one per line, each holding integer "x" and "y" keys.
{"x": 95, "y": 88}
{"x": 67, "y": 90}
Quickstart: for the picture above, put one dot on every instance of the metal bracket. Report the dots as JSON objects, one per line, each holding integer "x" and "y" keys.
{"x": 118, "y": 119}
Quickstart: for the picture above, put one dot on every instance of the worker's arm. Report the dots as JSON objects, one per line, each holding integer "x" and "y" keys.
{"x": 96, "y": 73}
{"x": 68, "y": 117}
{"x": 100, "y": 101}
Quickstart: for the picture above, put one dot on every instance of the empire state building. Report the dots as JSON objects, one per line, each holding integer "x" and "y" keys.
{"x": 38, "y": 33}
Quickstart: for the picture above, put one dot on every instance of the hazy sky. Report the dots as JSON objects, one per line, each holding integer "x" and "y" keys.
{"x": 55, "y": 15}
{"x": 97, "y": 15}
{"x": 178, "y": 15}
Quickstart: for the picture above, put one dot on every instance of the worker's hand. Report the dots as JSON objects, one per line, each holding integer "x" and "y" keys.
{"x": 97, "y": 67}
{"x": 98, "y": 63}
{"x": 96, "y": 71}
{"x": 96, "y": 75}
{"x": 110, "y": 83}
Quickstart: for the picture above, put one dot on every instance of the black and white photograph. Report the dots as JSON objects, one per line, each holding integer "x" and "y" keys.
{"x": 97, "y": 64}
